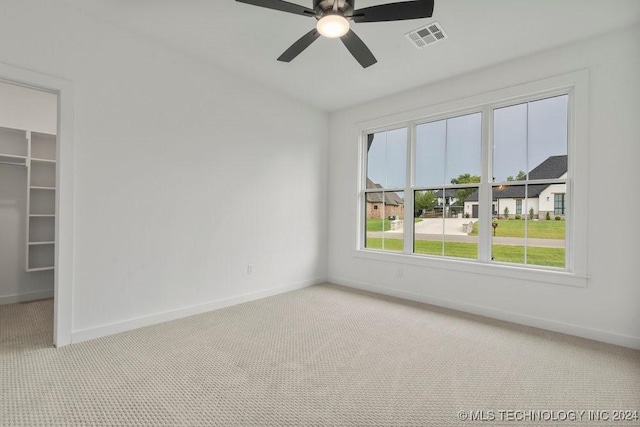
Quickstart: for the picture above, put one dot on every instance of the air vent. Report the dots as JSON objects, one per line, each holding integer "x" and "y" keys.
{"x": 428, "y": 35}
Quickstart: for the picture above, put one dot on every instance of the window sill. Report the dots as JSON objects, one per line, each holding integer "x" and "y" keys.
{"x": 475, "y": 267}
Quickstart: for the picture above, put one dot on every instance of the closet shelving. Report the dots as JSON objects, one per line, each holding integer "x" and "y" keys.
{"x": 37, "y": 152}
{"x": 13, "y": 147}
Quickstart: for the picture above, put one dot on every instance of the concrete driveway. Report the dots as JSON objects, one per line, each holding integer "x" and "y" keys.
{"x": 452, "y": 226}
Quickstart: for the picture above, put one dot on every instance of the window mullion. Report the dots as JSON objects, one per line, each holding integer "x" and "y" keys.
{"x": 485, "y": 192}
{"x": 409, "y": 222}
{"x": 362, "y": 208}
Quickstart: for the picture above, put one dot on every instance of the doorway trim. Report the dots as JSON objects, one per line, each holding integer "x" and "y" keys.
{"x": 64, "y": 233}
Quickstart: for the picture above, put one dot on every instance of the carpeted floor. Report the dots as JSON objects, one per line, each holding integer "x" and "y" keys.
{"x": 324, "y": 355}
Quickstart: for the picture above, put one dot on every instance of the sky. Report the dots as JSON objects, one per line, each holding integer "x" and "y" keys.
{"x": 524, "y": 136}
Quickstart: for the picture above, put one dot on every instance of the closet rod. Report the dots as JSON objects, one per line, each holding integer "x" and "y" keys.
{"x": 13, "y": 164}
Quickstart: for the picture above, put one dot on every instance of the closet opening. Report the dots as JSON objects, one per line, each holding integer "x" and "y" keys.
{"x": 28, "y": 214}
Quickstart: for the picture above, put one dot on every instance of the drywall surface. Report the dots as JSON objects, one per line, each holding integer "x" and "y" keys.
{"x": 609, "y": 307}
{"x": 184, "y": 175}
{"x": 24, "y": 108}
{"x": 20, "y": 108}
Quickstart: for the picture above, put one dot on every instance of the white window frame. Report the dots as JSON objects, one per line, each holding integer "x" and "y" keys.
{"x": 575, "y": 273}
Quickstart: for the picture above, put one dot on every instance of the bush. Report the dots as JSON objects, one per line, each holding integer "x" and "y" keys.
{"x": 558, "y": 217}
{"x": 531, "y": 212}
{"x": 506, "y": 212}
{"x": 548, "y": 217}
{"x": 467, "y": 215}
{"x": 518, "y": 217}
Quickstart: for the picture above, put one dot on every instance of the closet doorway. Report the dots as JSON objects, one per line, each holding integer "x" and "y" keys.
{"x": 63, "y": 275}
{"x": 28, "y": 163}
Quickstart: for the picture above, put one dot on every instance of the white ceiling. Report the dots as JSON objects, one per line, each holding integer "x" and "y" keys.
{"x": 246, "y": 40}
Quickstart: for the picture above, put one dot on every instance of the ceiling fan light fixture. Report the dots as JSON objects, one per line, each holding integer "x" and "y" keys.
{"x": 333, "y": 26}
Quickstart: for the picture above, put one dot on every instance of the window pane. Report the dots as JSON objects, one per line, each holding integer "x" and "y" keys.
{"x": 510, "y": 143}
{"x": 460, "y": 230}
{"x": 508, "y": 233}
{"x": 384, "y": 213}
{"x": 429, "y": 226}
{"x": 528, "y": 136}
{"x": 537, "y": 238}
{"x": 387, "y": 159}
{"x": 546, "y": 243}
{"x": 547, "y": 132}
{"x": 431, "y": 139}
{"x": 441, "y": 225}
{"x": 464, "y": 144}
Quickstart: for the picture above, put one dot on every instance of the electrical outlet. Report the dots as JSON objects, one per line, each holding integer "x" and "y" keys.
{"x": 249, "y": 269}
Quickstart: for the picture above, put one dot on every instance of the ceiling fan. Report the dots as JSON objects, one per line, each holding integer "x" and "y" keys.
{"x": 333, "y": 21}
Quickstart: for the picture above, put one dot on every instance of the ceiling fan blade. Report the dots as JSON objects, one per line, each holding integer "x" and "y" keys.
{"x": 395, "y": 11}
{"x": 282, "y": 6}
{"x": 358, "y": 49}
{"x": 300, "y": 45}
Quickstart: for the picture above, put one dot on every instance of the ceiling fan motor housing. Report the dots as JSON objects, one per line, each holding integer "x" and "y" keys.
{"x": 321, "y": 7}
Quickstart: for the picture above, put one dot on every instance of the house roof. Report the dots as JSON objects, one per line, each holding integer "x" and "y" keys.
{"x": 552, "y": 167}
{"x": 449, "y": 192}
{"x": 390, "y": 198}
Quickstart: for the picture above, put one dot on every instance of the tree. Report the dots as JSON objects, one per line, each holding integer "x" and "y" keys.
{"x": 425, "y": 200}
{"x": 520, "y": 177}
{"x": 463, "y": 194}
{"x": 506, "y": 212}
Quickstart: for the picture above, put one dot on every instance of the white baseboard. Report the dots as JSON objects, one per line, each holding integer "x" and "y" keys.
{"x": 551, "y": 325}
{"x": 127, "y": 325}
{"x": 12, "y": 299}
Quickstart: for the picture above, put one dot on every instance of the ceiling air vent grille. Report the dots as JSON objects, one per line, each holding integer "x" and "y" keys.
{"x": 428, "y": 35}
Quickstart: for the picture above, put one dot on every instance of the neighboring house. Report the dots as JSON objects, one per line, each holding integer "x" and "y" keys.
{"x": 445, "y": 201}
{"x": 542, "y": 198}
{"x": 393, "y": 204}
{"x": 448, "y": 199}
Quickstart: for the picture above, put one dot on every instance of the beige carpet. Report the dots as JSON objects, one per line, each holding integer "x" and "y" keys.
{"x": 320, "y": 356}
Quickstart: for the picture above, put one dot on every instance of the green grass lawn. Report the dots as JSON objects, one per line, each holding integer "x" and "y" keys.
{"x": 377, "y": 224}
{"x": 551, "y": 257}
{"x": 535, "y": 229}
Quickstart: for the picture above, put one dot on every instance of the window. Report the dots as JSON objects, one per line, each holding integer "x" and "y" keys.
{"x": 558, "y": 203}
{"x": 447, "y": 171}
{"x": 481, "y": 185}
{"x": 529, "y": 160}
{"x": 385, "y": 183}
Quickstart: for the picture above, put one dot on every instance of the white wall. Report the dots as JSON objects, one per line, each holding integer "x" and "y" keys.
{"x": 20, "y": 108}
{"x": 184, "y": 174}
{"x": 24, "y": 108}
{"x": 609, "y": 307}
